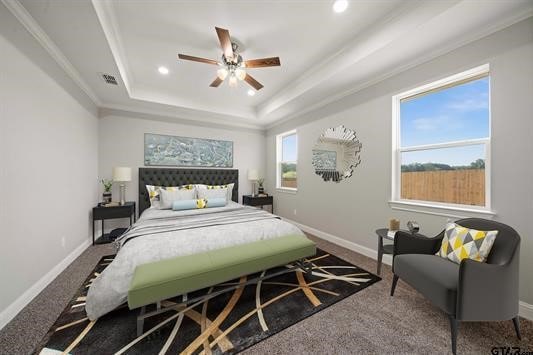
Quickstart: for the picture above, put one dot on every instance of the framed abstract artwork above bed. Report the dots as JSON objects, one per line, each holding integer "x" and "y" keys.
{"x": 163, "y": 150}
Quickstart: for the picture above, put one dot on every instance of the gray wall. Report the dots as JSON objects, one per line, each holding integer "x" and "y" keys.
{"x": 354, "y": 208}
{"x": 48, "y": 159}
{"x": 122, "y": 144}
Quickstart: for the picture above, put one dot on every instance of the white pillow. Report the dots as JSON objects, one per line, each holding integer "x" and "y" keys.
{"x": 215, "y": 191}
{"x": 169, "y": 196}
{"x": 154, "y": 192}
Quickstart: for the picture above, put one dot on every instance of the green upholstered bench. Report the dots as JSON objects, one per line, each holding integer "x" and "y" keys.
{"x": 158, "y": 281}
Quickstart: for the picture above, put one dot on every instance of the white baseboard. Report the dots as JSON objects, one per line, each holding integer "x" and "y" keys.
{"x": 14, "y": 308}
{"x": 371, "y": 253}
{"x": 525, "y": 310}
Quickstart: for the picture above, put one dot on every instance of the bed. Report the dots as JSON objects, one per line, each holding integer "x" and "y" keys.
{"x": 164, "y": 234}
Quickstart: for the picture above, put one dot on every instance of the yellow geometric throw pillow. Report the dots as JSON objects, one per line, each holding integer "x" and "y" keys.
{"x": 464, "y": 243}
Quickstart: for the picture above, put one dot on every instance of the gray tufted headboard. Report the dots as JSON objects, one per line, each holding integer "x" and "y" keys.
{"x": 177, "y": 177}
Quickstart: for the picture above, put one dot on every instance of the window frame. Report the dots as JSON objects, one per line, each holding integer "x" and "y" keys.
{"x": 279, "y": 161}
{"x": 433, "y": 207}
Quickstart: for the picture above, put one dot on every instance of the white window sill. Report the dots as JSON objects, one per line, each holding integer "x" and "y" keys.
{"x": 441, "y": 209}
{"x": 286, "y": 190}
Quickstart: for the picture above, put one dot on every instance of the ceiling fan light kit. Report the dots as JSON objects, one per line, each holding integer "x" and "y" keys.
{"x": 232, "y": 65}
{"x": 232, "y": 82}
{"x": 340, "y": 6}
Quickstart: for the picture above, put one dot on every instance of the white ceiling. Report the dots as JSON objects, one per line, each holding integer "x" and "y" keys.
{"x": 324, "y": 55}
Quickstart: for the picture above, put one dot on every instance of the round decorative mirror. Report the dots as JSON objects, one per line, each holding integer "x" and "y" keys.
{"x": 336, "y": 154}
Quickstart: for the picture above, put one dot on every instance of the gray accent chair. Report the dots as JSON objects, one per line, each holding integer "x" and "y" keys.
{"x": 471, "y": 291}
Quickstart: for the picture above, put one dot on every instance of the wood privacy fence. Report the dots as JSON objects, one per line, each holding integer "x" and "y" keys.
{"x": 466, "y": 187}
{"x": 288, "y": 182}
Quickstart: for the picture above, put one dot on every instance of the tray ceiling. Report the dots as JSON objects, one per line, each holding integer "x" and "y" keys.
{"x": 324, "y": 55}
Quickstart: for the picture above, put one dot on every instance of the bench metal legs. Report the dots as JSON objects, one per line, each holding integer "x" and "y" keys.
{"x": 140, "y": 321}
{"x": 303, "y": 265}
{"x": 142, "y": 315}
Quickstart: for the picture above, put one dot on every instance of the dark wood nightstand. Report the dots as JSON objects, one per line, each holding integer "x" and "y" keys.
{"x": 250, "y": 200}
{"x": 128, "y": 210}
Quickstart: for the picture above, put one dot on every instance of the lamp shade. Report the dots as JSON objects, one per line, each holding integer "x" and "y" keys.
{"x": 253, "y": 174}
{"x": 121, "y": 173}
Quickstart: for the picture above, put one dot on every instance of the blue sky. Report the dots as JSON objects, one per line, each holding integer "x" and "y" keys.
{"x": 289, "y": 148}
{"x": 457, "y": 113}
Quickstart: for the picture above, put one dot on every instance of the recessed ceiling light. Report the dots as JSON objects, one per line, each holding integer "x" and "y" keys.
{"x": 251, "y": 92}
{"x": 340, "y": 5}
{"x": 163, "y": 70}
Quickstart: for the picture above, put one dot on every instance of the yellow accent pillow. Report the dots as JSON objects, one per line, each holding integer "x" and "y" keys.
{"x": 464, "y": 243}
{"x": 201, "y": 203}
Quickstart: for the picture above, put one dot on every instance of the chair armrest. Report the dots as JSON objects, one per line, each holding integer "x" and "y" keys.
{"x": 487, "y": 292}
{"x": 406, "y": 243}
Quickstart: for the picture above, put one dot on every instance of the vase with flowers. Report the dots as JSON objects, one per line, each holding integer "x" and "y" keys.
{"x": 107, "y": 195}
{"x": 260, "y": 188}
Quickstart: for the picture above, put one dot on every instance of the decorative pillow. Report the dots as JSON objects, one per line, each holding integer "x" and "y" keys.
{"x": 181, "y": 205}
{"x": 463, "y": 243}
{"x": 215, "y": 191}
{"x": 171, "y": 194}
{"x": 216, "y": 202}
{"x": 153, "y": 192}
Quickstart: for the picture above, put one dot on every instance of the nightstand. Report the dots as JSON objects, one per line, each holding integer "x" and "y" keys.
{"x": 250, "y": 200}
{"x": 102, "y": 213}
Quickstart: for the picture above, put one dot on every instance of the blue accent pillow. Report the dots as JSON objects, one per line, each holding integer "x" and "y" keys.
{"x": 181, "y": 205}
{"x": 216, "y": 202}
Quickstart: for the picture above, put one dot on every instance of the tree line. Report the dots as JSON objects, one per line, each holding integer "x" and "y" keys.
{"x": 478, "y": 164}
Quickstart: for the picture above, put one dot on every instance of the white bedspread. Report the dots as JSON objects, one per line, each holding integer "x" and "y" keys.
{"x": 110, "y": 289}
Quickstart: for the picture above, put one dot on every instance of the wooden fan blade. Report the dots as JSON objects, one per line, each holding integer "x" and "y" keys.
{"x": 216, "y": 82}
{"x": 197, "y": 59}
{"x": 225, "y": 42}
{"x": 253, "y": 83}
{"x": 263, "y": 62}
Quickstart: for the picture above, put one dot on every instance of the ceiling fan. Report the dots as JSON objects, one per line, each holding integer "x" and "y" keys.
{"x": 232, "y": 65}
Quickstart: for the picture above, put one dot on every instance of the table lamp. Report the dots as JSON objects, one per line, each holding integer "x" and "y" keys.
{"x": 253, "y": 175}
{"x": 122, "y": 174}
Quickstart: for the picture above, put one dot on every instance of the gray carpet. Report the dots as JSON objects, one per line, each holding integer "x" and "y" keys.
{"x": 368, "y": 322}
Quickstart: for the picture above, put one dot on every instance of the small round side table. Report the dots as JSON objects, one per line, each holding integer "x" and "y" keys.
{"x": 387, "y": 248}
{"x": 383, "y": 249}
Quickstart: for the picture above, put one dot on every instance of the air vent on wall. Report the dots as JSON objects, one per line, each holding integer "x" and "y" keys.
{"x": 110, "y": 79}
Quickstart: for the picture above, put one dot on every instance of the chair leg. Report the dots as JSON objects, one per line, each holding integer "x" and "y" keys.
{"x": 516, "y": 322}
{"x": 394, "y": 282}
{"x": 453, "y": 327}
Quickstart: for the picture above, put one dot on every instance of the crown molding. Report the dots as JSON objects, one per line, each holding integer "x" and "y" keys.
{"x": 183, "y": 117}
{"x": 106, "y": 16}
{"x": 504, "y": 23}
{"x": 141, "y": 94}
{"x": 22, "y": 15}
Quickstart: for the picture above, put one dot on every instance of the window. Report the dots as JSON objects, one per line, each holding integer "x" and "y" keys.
{"x": 441, "y": 143}
{"x": 287, "y": 158}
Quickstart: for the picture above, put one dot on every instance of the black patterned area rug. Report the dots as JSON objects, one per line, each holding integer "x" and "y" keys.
{"x": 228, "y": 323}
